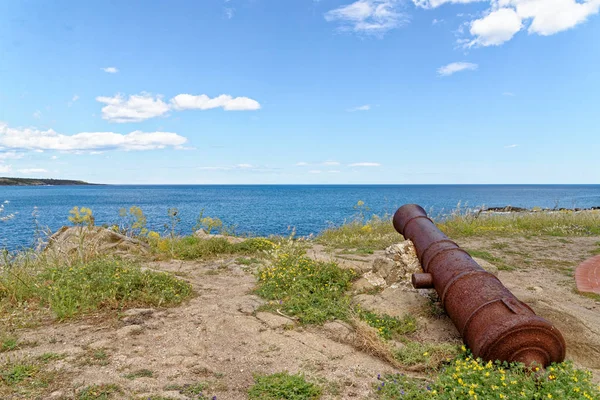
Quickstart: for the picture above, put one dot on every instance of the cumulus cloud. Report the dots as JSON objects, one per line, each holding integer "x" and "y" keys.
{"x": 110, "y": 70}
{"x": 203, "y": 102}
{"x": 542, "y": 17}
{"x": 495, "y": 28}
{"x": 372, "y": 17}
{"x": 30, "y": 171}
{"x": 366, "y": 107}
{"x": 39, "y": 140}
{"x": 136, "y": 108}
{"x": 455, "y": 67}
{"x": 143, "y": 106}
{"x": 365, "y": 164}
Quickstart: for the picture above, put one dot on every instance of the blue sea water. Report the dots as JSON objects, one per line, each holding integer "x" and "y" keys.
{"x": 264, "y": 209}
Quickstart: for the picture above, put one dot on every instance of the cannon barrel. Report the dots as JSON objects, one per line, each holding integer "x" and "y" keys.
{"x": 492, "y": 321}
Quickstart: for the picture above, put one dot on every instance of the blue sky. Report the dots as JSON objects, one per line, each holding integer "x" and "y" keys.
{"x": 301, "y": 91}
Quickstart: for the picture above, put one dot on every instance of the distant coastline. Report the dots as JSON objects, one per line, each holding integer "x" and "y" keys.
{"x": 4, "y": 181}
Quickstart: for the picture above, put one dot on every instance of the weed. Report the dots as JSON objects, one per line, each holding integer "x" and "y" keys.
{"x": 193, "y": 248}
{"x": 141, "y": 373}
{"x": 310, "y": 290}
{"x": 194, "y": 390}
{"x": 18, "y": 372}
{"x": 388, "y": 327}
{"x": 8, "y": 343}
{"x": 426, "y": 355}
{"x": 47, "y": 357}
{"x": 98, "y": 392}
{"x": 283, "y": 386}
{"x": 247, "y": 261}
{"x": 497, "y": 261}
{"x": 363, "y": 236}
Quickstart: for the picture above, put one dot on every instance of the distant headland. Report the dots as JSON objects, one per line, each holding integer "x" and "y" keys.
{"x": 4, "y": 181}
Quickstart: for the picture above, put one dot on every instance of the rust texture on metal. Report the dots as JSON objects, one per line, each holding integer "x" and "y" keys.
{"x": 492, "y": 321}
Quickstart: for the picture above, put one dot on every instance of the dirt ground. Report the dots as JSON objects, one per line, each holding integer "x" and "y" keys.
{"x": 219, "y": 338}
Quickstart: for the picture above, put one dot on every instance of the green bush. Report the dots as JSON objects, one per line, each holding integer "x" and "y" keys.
{"x": 283, "y": 386}
{"x": 193, "y": 248}
{"x": 313, "y": 291}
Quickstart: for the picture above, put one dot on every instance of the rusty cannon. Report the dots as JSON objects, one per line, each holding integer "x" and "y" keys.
{"x": 492, "y": 321}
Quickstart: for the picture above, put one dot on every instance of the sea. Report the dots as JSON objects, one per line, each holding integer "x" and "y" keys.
{"x": 261, "y": 209}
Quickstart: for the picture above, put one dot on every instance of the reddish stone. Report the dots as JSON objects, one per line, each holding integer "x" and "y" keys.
{"x": 587, "y": 275}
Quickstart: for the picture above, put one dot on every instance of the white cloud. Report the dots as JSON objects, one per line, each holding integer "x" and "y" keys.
{"x": 135, "y": 109}
{"x": 334, "y": 171}
{"x": 38, "y": 140}
{"x": 301, "y": 164}
{"x": 110, "y": 70}
{"x": 314, "y": 171}
{"x": 366, "y": 107}
{"x": 454, "y": 67}
{"x": 495, "y": 28}
{"x": 5, "y": 168}
{"x": 244, "y": 166}
{"x": 203, "y": 102}
{"x": 372, "y": 17}
{"x": 54, "y": 158}
{"x": 30, "y": 171}
{"x": 542, "y": 17}
{"x": 436, "y": 3}
{"x": 365, "y": 164}
{"x": 11, "y": 155}
{"x": 73, "y": 100}
{"x": 229, "y": 12}
{"x": 511, "y": 146}
{"x": 37, "y": 114}
{"x": 331, "y": 163}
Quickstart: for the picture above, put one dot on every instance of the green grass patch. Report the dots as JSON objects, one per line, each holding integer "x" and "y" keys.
{"x": 140, "y": 373}
{"x": 427, "y": 355}
{"x": 388, "y": 327}
{"x": 283, "y": 386}
{"x": 193, "y": 248}
{"x": 310, "y": 290}
{"x": 84, "y": 287}
{"x": 551, "y": 223}
{"x": 8, "y": 343}
{"x": 25, "y": 378}
{"x": 195, "y": 390}
{"x": 466, "y": 378}
{"x": 362, "y": 236}
{"x": 99, "y": 392}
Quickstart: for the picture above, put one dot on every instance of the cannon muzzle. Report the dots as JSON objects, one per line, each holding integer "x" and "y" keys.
{"x": 492, "y": 321}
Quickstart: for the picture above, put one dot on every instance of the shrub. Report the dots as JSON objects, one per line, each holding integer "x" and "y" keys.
{"x": 311, "y": 290}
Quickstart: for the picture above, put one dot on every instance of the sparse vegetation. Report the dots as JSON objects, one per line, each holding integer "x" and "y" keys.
{"x": 140, "y": 373}
{"x": 193, "y": 248}
{"x": 99, "y": 392}
{"x": 82, "y": 287}
{"x": 312, "y": 291}
{"x": 428, "y": 356}
{"x": 283, "y": 386}
{"x": 388, "y": 327}
{"x": 467, "y": 378}
{"x": 551, "y": 223}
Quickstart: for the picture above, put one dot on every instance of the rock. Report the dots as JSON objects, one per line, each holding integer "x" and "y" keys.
{"x": 338, "y": 330}
{"x": 273, "y": 320}
{"x": 74, "y": 240}
{"x": 383, "y": 266}
{"x": 201, "y": 234}
{"x": 129, "y": 330}
{"x": 362, "y": 285}
{"x": 488, "y": 266}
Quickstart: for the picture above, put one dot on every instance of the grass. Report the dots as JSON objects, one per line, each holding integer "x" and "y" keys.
{"x": 362, "y": 236}
{"x": 312, "y": 291}
{"x": 555, "y": 223}
{"x": 427, "y": 356}
{"x": 140, "y": 373}
{"x": 283, "y": 386}
{"x": 194, "y": 390}
{"x": 194, "y": 248}
{"x": 99, "y": 392}
{"x": 8, "y": 343}
{"x": 497, "y": 261}
{"x": 83, "y": 287}
{"x": 467, "y": 378}
{"x": 388, "y": 327}
{"x": 25, "y": 378}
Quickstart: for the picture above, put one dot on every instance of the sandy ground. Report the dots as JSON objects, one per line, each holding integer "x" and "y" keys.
{"x": 220, "y": 338}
